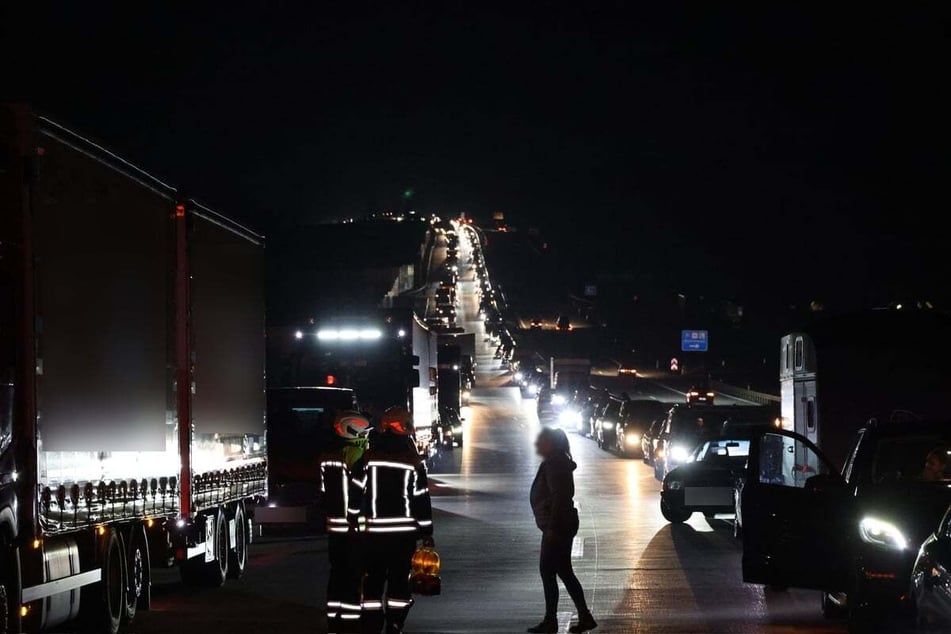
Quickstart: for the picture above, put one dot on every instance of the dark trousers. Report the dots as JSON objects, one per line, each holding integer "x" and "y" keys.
{"x": 386, "y": 592}
{"x": 343, "y": 585}
{"x": 555, "y": 561}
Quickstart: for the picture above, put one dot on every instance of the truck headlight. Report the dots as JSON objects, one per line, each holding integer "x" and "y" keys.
{"x": 558, "y": 399}
{"x": 882, "y": 533}
{"x": 679, "y": 453}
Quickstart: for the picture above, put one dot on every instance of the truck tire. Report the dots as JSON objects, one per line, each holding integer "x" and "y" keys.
{"x": 138, "y": 571}
{"x": 109, "y": 594}
{"x": 238, "y": 554}
{"x": 195, "y": 572}
{"x": 9, "y": 590}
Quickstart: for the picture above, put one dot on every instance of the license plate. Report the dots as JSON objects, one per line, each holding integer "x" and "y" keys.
{"x": 708, "y": 496}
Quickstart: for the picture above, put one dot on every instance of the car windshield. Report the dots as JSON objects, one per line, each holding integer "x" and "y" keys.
{"x": 694, "y": 424}
{"x": 720, "y": 449}
{"x": 907, "y": 458}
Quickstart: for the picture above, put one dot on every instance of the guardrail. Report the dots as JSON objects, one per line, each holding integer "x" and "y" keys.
{"x": 746, "y": 394}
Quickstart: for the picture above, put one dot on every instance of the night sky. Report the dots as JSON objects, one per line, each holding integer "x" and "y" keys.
{"x": 764, "y": 153}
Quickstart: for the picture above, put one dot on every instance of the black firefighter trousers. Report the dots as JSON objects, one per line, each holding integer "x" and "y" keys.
{"x": 343, "y": 585}
{"x": 386, "y": 591}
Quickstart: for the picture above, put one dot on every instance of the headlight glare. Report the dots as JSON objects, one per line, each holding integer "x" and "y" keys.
{"x": 679, "y": 453}
{"x": 882, "y": 533}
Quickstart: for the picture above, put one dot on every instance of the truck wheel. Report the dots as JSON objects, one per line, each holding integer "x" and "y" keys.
{"x": 674, "y": 515}
{"x": 238, "y": 555}
{"x": 138, "y": 569}
{"x": 195, "y": 572}
{"x": 9, "y": 590}
{"x": 110, "y": 593}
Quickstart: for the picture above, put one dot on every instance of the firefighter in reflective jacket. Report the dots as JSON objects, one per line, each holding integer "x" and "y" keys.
{"x": 398, "y": 512}
{"x": 341, "y": 501}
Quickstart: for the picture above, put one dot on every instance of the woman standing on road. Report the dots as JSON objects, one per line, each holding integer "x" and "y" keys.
{"x": 556, "y": 516}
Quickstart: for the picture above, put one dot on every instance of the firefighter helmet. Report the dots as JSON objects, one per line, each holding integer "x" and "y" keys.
{"x": 350, "y": 425}
{"x": 397, "y": 420}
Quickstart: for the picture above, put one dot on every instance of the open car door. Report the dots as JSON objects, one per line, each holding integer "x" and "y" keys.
{"x": 794, "y": 508}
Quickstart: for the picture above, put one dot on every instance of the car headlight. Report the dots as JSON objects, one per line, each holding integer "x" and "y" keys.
{"x": 558, "y": 399}
{"x": 607, "y": 425}
{"x": 533, "y": 389}
{"x": 882, "y": 533}
{"x": 675, "y": 485}
{"x": 679, "y": 453}
{"x": 633, "y": 439}
{"x": 519, "y": 376}
{"x": 569, "y": 418}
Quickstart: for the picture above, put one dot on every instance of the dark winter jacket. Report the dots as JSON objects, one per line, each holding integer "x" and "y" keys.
{"x": 552, "y": 496}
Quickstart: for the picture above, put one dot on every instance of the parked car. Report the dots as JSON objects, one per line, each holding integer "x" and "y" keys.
{"x": 650, "y": 438}
{"x": 634, "y": 422}
{"x": 853, "y": 536}
{"x": 448, "y": 430}
{"x": 684, "y": 428}
{"x": 705, "y": 483}
{"x": 606, "y": 419}
{"x": 931, "y": 579}
{"x": 700, "y": 394}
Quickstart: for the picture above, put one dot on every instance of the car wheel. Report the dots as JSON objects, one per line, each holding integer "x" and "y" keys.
{"x": 674, "y": 515}
{"x": 831, "y": 609}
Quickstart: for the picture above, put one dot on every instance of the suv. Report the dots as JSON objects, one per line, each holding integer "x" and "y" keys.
{"x": 684, "y": 428}
{"x": 606, "y": 419}
{"x": 853, "y": 536}
{"x": 635, "y": 421}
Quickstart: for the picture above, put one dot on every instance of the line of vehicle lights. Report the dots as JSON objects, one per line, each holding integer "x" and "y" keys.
{"x": 348, "y": 334}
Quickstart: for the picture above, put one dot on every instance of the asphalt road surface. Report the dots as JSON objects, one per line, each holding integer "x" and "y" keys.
{"x": 640, "y": 573}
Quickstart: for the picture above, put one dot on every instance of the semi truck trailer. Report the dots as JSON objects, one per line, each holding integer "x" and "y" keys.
{"x": 132, "y": 401}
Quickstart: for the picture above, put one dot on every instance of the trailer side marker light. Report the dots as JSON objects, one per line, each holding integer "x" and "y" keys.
{"x": 24, "y": 611}
{"x": 179, "y": 211}
{"x": 150, "y": 522}
{"x": 100, "y": 530}
{"x": 331, "y": 379}
{"x": 37, "y": 543}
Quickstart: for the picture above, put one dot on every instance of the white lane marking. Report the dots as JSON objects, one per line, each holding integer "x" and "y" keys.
{"x": 577, "y": 547}
{"x": 564, "y": 621}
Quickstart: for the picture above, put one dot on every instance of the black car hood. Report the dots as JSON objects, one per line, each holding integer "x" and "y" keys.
{"x": 915, "y": 507}
{"x": 707, "y": 473}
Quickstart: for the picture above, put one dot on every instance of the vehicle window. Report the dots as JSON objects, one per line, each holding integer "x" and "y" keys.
{"x": 787, "y": 461}
{"x": 811, "y": 413}
{"x": 721, "y": 449}
{"x": 904, "y": 457}
{"x": 853, "y": 450}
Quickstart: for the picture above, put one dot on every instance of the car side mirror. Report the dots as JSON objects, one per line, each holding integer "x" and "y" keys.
{"x": 824, "y": 481}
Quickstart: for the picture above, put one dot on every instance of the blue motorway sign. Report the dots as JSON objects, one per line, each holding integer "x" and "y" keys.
{"x": 694, "y": 340}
